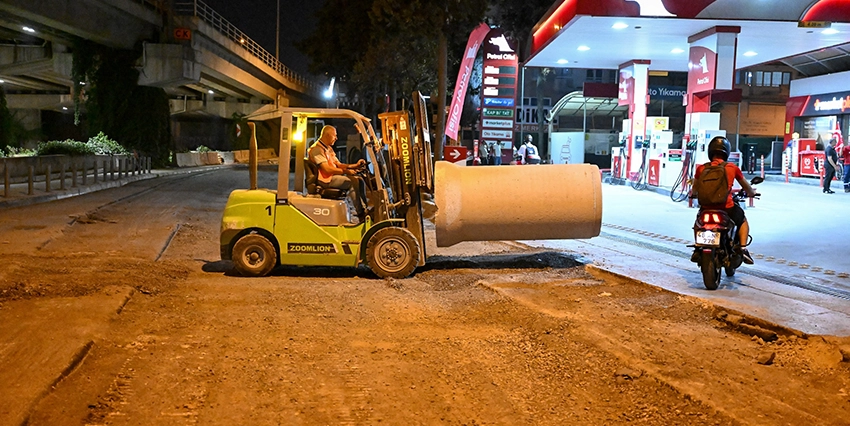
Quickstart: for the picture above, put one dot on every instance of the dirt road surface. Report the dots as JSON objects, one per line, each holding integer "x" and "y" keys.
{"x": 116, "y": 310}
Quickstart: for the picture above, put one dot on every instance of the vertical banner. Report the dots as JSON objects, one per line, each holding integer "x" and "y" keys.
{"x": 475, "y": 39}
{"x": 498, "y": 93}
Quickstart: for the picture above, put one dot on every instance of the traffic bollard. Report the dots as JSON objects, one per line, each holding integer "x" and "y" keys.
{"x": 30, "y": 180}
{"x": 762, "y": 166}
{"x": 5, "y": 180}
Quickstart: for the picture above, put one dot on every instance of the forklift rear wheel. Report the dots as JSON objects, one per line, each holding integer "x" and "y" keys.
{"x": 254, "y": 256}
{"x": 392, "y": 252}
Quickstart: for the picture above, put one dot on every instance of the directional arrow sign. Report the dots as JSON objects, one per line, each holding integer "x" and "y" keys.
{"x": 455, "y": 154}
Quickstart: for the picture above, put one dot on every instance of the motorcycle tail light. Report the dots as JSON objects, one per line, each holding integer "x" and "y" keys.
{"x": 710, "y": 218}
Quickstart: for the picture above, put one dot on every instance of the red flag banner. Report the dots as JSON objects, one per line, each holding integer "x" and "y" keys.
{"x": 475, "y": 40}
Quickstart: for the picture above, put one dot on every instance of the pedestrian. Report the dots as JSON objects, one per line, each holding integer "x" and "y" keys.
{"x": 845, "y": 154}
{"x": 496, "y": 153}
{"x": 831, "y": 163}
{"x": 528, "y": 153}
{"x": 483, "y": 153}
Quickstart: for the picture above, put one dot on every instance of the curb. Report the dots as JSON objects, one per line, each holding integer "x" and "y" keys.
{"x": 27, "y": 200}
{"x": 749, "y": 325}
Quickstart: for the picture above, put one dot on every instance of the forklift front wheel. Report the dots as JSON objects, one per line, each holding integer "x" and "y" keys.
{"x": 254, "y": 256}
{"x": 392, "y": 252}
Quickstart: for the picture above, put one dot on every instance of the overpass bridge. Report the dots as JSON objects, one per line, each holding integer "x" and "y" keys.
{"x": 208, "y": 67}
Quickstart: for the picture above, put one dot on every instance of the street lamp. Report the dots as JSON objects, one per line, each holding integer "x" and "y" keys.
{"x": 329, "y": 92}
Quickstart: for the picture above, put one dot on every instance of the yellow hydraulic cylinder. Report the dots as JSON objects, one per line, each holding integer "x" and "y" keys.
{"x": 517, "y": 202}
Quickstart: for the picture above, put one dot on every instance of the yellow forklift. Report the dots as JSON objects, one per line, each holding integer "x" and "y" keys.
{"x": 308, "y": 226}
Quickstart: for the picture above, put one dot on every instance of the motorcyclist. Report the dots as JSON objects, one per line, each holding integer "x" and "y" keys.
{"x": 718, "y": 152}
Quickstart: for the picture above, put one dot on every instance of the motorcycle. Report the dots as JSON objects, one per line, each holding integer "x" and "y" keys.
{"x": 716, "y": 242}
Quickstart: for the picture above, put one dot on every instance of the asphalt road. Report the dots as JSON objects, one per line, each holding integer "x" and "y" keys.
{"x": 801, "y": 277}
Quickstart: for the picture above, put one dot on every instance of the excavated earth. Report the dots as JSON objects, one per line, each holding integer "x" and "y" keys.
{"x": 116, "y": 310}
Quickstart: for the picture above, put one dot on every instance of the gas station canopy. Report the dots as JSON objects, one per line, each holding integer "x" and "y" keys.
{"x": 603, "y": 34}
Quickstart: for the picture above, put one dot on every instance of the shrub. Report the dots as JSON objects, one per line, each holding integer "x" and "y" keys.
{"x": 102, "y": 145}
{"x": 202, "y": 149}
{"x": 12, "y": 151}
{"x": 67, "y": 147}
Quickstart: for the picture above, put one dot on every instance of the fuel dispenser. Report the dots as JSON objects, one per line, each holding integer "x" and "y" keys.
{"x": 620, "y": 153}
{"x": 659, "y": 138}
{"x": 703, "y": 128}
{"x": 798, "y": 156}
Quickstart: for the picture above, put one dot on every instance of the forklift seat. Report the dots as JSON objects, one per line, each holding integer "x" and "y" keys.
{"x": 315, "y": 186}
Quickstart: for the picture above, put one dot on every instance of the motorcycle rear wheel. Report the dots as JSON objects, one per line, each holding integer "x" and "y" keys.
{"x": 710, "y": 270}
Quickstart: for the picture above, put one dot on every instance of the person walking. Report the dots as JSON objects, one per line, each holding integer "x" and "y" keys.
{"x": 845, "y": 154}
{"x": 483, "y": 153}
{"x": 496, "y": 154}
{"x": 831, "y": 163}
{"x": 528, "y": 152}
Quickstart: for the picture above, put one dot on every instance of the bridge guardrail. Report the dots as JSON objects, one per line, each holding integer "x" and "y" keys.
{"x": 200, "y": 9}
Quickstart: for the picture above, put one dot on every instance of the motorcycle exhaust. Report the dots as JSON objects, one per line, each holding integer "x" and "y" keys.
{"x": 547, "y": 202}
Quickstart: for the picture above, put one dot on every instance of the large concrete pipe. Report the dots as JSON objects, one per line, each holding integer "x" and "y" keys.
{"x": 540, "y": 202}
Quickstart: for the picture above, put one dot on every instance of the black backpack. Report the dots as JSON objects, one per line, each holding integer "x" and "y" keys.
{"x": 712, "y": 187}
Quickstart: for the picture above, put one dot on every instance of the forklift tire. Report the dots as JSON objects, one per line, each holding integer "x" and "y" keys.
{"x": 392, "y": 252}
{"x": 254, "y": 256}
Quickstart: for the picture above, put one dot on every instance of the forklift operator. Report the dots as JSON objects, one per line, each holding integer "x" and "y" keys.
{"x": 335, "y": 174}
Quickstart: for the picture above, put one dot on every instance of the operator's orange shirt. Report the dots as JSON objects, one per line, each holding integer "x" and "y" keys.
{"x": 320, "y": 153}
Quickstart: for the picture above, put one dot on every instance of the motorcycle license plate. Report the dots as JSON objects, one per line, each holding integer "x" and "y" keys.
{"x": 708, "y": 238}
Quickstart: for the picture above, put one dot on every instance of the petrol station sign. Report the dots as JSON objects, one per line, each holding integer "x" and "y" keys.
{"x": 498, "y": 94}
{"x": 702, "y": 69}
{"x": 494, "y": 112}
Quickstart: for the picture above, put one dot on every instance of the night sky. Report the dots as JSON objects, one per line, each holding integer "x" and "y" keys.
{"x": 257, "y": 20}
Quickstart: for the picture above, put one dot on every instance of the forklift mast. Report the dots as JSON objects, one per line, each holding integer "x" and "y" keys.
{"x": 410, "y": 167}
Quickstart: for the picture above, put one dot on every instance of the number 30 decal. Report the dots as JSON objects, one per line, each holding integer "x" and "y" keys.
{"x": 321, "y": 212}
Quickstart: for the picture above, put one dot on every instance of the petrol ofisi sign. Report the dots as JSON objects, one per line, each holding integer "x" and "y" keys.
{"x": 498, "y": 91}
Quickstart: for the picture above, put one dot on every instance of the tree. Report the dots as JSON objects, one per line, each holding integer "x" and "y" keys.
{"x": 443, "y": 23}
{"x": 5, "y": 122}
{"x": 136, "y": 117}
{"x": 340, "y": 40}
{"x": 517, "y": 18}
{"x": 397, "y": 48}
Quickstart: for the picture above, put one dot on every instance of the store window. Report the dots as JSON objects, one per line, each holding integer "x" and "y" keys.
{"x": 597, "y": 76}
{"x": 763, "y": 78}
{"x": 821, "y": 129}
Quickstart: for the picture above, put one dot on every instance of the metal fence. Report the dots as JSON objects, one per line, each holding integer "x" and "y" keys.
{"x": 207, "y": 14}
